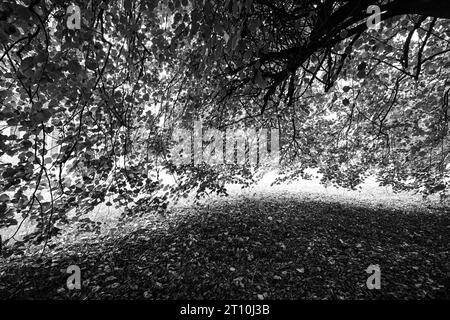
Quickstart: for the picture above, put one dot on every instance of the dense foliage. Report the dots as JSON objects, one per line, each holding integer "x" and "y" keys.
{"x": 346, "y": 99}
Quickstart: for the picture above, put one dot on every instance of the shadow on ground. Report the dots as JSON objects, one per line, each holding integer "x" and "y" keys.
{"x": 252, "y": 249}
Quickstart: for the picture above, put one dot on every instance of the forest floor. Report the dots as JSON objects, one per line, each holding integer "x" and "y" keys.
{"x": 252, "y": 246}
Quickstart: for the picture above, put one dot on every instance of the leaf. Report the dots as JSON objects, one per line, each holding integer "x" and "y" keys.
{"x": 177, "y": 18}
{"x": 110, "y": 278}
{"x": 362, "y": 66}
{"x": 361, "y": 74}
{"x": 91, "y": 64}
{"x": 127, "y": 5}
{"x": 259, "y": 80}
{"x": 226, "y": 36}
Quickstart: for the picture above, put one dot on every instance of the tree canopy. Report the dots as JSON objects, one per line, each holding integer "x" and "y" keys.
{"x": 347, "y": 98}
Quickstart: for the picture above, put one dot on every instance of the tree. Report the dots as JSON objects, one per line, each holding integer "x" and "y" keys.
{"x": 117, "y": 87}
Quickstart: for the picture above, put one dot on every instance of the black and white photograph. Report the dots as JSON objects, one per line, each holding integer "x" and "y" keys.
{"x": 218, "y": 156}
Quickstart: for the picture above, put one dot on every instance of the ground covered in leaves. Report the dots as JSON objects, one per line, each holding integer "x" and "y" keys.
{"x": 251, "y": 248}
